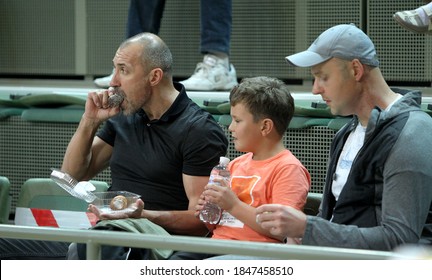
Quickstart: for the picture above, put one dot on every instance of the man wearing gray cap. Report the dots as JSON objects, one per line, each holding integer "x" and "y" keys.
{"x": 378, "y": 190}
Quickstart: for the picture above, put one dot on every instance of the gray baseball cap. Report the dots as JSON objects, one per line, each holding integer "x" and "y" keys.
{"x": 344, "y": 41}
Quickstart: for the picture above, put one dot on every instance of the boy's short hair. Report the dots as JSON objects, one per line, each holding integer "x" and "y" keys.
{"x": 265, "y": 97}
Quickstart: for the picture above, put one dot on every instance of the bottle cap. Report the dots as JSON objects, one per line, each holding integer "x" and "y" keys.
{"x": 224, "y": 161}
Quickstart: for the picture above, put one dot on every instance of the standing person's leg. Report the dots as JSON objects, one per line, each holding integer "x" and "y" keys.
{"x": 215, "y": 72}
{"x": 143, "y": 16}
{"x": 216, "y": 24}
{"x": 17, "y": 249}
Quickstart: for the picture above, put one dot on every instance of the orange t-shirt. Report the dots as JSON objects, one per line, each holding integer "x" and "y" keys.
{"x": 281, "y": 179}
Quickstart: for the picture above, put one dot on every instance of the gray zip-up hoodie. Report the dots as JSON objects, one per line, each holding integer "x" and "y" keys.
{"x": 387, "y": 198}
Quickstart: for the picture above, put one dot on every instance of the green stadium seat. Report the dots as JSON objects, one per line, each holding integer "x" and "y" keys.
{"x": 6, "y": 112}
{"x": 5, "y": 200}
{"x": 338, "y": 123}
{"x": 69, "y": 114}
{"x": 312, "y": 204}
{"x": 44, "y": 193}
{"x": 297, "y": 122}
{"x": 225, "y": 120}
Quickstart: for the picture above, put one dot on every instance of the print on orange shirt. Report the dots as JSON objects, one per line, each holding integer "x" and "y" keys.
{"x": 243, "y": 186}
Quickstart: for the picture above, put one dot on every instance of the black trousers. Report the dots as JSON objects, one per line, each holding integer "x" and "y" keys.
{"x": 180, "y": 255}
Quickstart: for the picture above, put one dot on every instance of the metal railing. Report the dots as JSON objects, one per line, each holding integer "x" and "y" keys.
{"x": 96, "y": 238}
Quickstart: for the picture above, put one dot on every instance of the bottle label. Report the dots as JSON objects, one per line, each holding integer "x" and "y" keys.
{"x": 229, "y": 220}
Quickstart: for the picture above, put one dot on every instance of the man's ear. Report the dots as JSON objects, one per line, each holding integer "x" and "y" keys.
{"x": 156, "y": 76}
{"x": 358, "y": 69}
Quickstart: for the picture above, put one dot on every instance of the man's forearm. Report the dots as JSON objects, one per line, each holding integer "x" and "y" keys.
{"x": 177, "y": 222}
{"x": 78, "y": 153}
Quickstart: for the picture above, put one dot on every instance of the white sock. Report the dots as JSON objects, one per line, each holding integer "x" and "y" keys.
{"x": 223, "y": 58}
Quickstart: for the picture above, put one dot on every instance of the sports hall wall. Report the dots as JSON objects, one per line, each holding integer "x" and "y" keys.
{"x": 79, "y": 37}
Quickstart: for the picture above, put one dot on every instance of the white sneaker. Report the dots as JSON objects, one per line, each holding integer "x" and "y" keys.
{"x": 103, "y": 82}
{"x": 211, "y": 74}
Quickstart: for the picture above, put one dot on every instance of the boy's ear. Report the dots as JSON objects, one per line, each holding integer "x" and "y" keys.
{"x": 266, "y": 126}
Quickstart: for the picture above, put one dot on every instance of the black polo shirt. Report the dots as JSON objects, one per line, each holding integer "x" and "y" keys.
{"x": 149, "y": 157}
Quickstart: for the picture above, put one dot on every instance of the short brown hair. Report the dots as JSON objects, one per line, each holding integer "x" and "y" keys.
{"x": 265, "y": 97}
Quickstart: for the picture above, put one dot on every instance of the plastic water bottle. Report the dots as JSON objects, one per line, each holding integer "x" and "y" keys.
{"x": 212, "y": 213}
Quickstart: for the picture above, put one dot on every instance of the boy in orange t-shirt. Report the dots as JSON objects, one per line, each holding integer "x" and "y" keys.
{"x": 261, "y": 109}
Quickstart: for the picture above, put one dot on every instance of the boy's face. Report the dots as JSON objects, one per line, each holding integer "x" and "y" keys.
{"x": 245, "y": 132}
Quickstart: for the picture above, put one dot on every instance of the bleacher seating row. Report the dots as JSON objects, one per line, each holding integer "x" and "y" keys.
{"x": 34, "y": 135}
{"x": 36, "y": 128}
{"x": 41, "y": 193}
{"x": 44, "y": 194}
